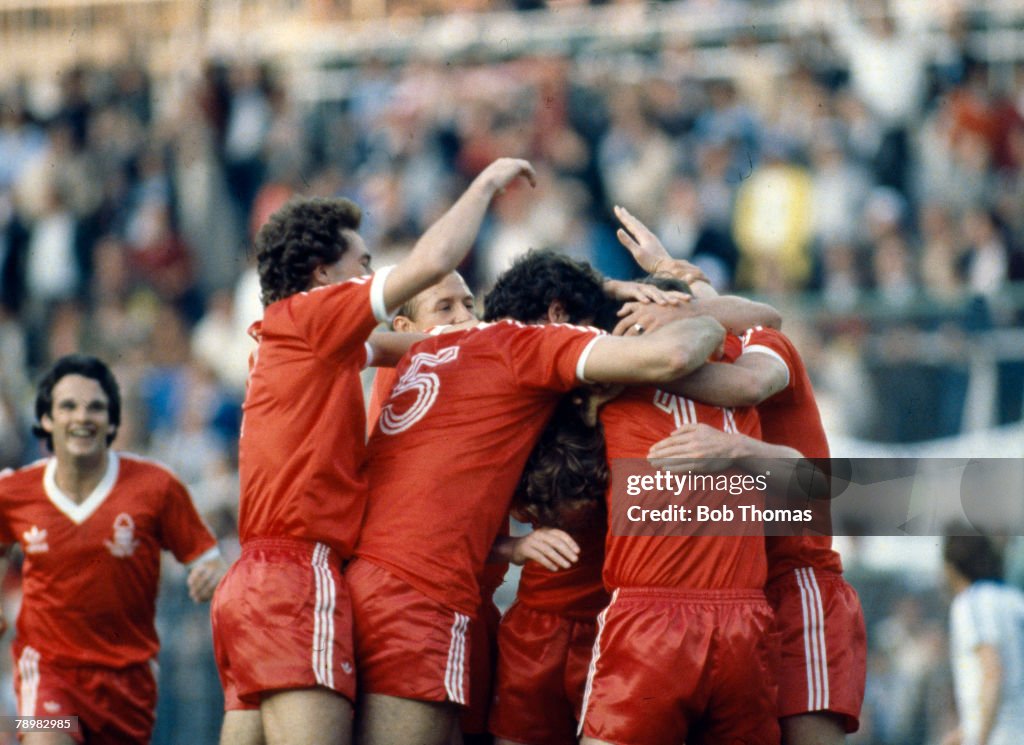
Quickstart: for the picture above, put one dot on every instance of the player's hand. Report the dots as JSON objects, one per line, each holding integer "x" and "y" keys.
{"x": 642, "y": 293}
{"x": 694, "y": 447}
{"x": 552, "y": 548}
{"x": 504, "y": 171}
{"x": 204, "y": 577}
{"x": 639, "y": 318}
{"x": 638, "y": 239}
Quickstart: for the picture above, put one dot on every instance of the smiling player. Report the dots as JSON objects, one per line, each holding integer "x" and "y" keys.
{"x": 91, "y": 523}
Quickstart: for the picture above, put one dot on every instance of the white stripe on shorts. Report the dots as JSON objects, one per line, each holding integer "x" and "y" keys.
{"x": 454, "y": 672}
{"x": 323, "y": 618}
{"x": 592, "y": 670}
{"x": 815, "y": 652}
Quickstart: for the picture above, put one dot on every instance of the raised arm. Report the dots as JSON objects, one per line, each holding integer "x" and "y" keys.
{"x": 448, "y": 240}
{"x": 735, "y": 313}
{"x": 671, "y": 352}
{"x": 649, "y": 252}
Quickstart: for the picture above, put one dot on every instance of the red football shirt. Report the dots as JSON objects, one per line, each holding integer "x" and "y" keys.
{"x": 577, "y": 592}
{"x": 384, "y": 379}
{"x": 633, "y": 422}
{"x": 493, "y": 574}
{"x": 791, "y": 418}
{"x": 302, "y": 449}
{"x": 451, "y": 443}
{"x": 91, "y": 571}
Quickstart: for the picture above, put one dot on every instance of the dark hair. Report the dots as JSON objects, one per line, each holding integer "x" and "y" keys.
{"x": 298, "y": 238}
{"x": 564, "y": 481}
{"x": 538, "y": 278}
{"x": 974, "y": 556}
{"x": 87, "y": 367}
{"x": 668, "y": 283}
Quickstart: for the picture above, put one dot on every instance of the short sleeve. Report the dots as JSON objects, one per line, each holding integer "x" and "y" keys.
{"x": 182, "y": 531}
{"x": 760, "y": 340}
{"x": 550, "y": 356}
{"x": 337, "y": 320}
{"x": 981, "y": 617}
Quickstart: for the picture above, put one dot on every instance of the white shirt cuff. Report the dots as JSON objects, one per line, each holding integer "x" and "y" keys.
{"x": 213, "y": 553}
{"x": 761, "y": 349}
{"x": 380, "y": 311}
{"x": 581, "y": 364}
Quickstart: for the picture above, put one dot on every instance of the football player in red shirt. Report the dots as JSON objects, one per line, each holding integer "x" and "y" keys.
{"x": 282, "y": 618}
{"x": 449, "y": 447}
{"x": 545, "y": 639}
{"x": 450, "y": 302}
{"x": 91, "y": 523}
{"x": 818, "y": 622}
{"x": 546, "y": 636}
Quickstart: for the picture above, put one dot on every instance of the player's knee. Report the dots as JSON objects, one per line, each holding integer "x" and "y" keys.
{"x": 383, "y": 720}
{"x": 242, "y": 727}
{"x": 818, "y": 728}
{"x": 317, "y": 716}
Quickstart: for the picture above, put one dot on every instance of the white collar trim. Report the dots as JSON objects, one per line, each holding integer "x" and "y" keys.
{"x": 79, "y": 513}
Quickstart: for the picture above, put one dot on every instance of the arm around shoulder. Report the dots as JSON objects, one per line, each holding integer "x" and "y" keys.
{"x": 670, "y": 352}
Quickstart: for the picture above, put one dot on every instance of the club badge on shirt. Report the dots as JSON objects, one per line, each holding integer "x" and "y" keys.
{"x": 124, "y": 543}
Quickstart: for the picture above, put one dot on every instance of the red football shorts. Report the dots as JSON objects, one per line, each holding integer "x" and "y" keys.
{"x": 483, "y": 648}
{"x": 113, "y": 705}
{"x": 819, "y": 626}
{"x": 407, "y": 645}
{"x": 282, "y": 620}
{"x": 672, "y": 666}
{"x": 543, "y": 660}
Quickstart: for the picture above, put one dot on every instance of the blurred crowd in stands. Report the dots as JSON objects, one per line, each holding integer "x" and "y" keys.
{"x": 869, "y": 171}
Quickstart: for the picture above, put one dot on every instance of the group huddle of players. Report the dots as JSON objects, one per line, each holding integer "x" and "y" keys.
{"x": 368, "y": 567}
{"x": 362, "y": 604}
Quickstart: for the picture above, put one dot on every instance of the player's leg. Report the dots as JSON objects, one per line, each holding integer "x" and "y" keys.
{"x": 819, "y": 625}
{"x": 471, "y": 728}
{"x": 413, "y": 657}
{"x": 242, "y": 727}
{"x": 283, "y": 644}
{"x": 312, "y": 716}
{"x": 819, "y": 728}
{"x": 531, "y": 704}
{"x": 46, "y": 738}
{"x": 384, "y": 720}
{"x": 647, "y": 673}
{"x": 742, "y": 707}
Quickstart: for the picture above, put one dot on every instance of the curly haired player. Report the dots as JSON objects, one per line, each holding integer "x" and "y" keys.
{"x": 282, "y": 617}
